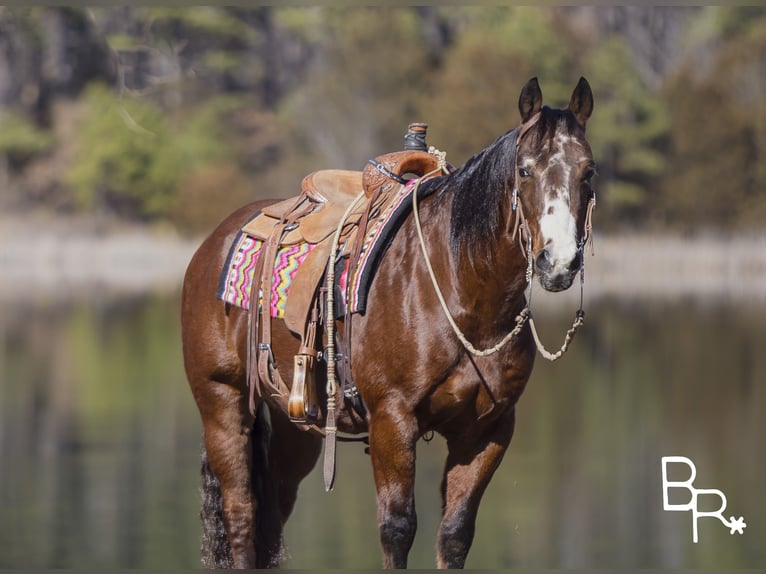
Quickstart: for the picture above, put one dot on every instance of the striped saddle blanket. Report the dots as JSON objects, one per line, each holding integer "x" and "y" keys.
{"x": 237, "y": 275}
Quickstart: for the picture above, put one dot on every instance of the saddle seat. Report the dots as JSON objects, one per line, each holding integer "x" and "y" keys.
{"x": 316, "y": 212}
{"x": 326, "y": 194}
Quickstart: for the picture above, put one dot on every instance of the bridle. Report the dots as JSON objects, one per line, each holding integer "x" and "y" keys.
{"x": 521, "y": 228}
{"x": 520, "y": 222}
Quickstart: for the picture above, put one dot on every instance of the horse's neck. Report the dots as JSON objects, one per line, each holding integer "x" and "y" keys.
{"x": 496, "y": 285}
{"x": 483, "y": 291}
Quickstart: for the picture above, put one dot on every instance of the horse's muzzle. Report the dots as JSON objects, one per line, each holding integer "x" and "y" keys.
{"x": 555, "y": 275}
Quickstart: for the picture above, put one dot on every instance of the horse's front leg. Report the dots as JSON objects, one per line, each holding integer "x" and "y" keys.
{"x": 472, "y": 460}
{"x": 393, "y": 435}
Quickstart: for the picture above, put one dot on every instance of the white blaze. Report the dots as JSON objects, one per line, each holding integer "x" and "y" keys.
{"x": 559, "y": 231}
{"x": 557, "y": 225}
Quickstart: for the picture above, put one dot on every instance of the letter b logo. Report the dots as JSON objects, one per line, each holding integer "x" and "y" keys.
{"x": 735, "y": 525}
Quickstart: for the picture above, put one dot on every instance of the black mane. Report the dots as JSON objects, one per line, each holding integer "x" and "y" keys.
{"x": 479, "y": 188}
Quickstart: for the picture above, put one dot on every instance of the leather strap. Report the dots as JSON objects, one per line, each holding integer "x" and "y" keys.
{"x": 387, "y": 172}
{"x": 261, "y": 367}
{"x": 265, "y": 356}
{"x": 525, "y": 127}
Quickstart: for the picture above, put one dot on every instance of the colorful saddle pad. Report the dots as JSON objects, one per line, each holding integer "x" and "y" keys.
{"x": 236, "y": 278}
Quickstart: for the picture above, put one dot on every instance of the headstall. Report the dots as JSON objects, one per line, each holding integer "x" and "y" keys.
{"x": 520, "y": 226}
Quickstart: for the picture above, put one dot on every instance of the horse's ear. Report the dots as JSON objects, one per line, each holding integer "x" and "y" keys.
{"x": 530, "y": 100}
{"x": 581, "y": 103}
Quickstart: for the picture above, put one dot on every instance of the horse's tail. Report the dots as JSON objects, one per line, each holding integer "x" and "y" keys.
{"x": 215, "y": 549}
{"x": 216, "y": 552}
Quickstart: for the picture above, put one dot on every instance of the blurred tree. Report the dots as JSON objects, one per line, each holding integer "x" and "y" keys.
{"x": 179, "y": 56}
{"x": 186, "y": 55}
{"x": 627, "y": 134}
{"x": 21, "y": 142}
{"x": 131, "y": 155}
{"x": 743, "y": 65}
{"x": 475, "y": 95}
{"x": 718, "y": 124}
{"x": 47, "y": 53}
{"x": 652, "y": 34}
{"x": 362, "y": 88}
{"x": 21, "y": 139}
{"x": 116, "y": 154}
{"x": 679, "y": 131}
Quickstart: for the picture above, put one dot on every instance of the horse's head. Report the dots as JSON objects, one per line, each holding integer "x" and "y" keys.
{"x": 554, "y": 166}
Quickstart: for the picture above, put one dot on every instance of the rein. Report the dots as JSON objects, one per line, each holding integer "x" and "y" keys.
{"x": 587, "y": 238}
{"x": 520, "y": 226}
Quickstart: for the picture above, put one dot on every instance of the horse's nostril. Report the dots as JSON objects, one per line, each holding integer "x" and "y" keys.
{"x": 543, "y": 261}
{"x": 576, "y": 262}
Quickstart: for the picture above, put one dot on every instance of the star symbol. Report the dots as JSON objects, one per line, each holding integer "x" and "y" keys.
{"x": 737, "y": 524}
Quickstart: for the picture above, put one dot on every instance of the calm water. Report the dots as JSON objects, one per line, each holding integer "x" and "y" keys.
{"x": 100, "y": 439}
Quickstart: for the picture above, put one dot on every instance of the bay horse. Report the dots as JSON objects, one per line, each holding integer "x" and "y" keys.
{"x": 415, "y": 372}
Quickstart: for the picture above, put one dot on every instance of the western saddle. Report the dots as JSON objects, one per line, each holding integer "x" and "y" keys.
{"x": 332, "y": 202}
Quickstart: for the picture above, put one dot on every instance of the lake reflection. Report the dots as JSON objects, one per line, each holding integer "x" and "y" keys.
{"x": 100, "y": 438}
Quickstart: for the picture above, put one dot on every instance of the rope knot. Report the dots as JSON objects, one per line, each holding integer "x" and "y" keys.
{"x": 441, "y": 158}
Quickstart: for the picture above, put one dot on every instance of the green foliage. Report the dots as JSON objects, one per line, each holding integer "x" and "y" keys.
{"x": 124, "y": 42}
{"x": 300, "y": 22}
{"x": 476, "y": 93}
{"x": 334, "y": 86}
{"x": 628, "y": 126}
{"x": 116, "y": 155}
{"x": 132, "y": 155}
{"x": 207, "y": 194}
{"x": 360, "y": 96}
{"x": 213, "y": 21}
{"x": 718, "y": 128}
{"x": 545, "y": 45}
{"x": 20, "y": 138}
{"x": 736, "y": 22}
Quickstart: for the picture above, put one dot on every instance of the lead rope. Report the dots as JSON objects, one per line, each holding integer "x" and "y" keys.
{"x": 576, "y": 324}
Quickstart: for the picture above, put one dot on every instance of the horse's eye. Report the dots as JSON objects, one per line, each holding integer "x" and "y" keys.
{"x": 589, "y": 173}
{"x": 524, "y": 172}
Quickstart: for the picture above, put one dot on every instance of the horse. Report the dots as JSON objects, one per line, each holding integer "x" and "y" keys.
{"x": 442, "y": 346}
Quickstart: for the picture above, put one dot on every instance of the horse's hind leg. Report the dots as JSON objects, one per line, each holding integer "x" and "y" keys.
{"x": 472, "y": 460}
{"x": 228, "y": 442}
{"x": 259, "y": 473}
{"x": 294, "y": 454}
